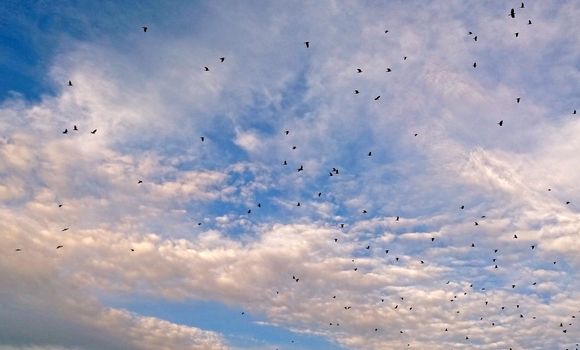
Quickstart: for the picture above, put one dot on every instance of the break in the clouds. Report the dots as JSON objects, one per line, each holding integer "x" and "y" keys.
{"x": 415, "y": 221}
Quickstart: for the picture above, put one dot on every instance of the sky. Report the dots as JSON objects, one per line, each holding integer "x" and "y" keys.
{"x": 417, "y": 222}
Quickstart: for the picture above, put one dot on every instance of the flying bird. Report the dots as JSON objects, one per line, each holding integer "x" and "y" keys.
{"x": 144, "y": 29}
{"x": 202, "y": 138}
{"x": 307, "y": 43}
{"x": 206, "y": 69}
{"x": 370, "y": 154}
{"x": 516, "y": 34}
{"x": 70, "y": 83}
{"x": 65, "y": 131}
{"x": 522, "y": 6}
{"x": 139, "y": 182}
{"x": 474, "y": 64}
{"x": 517, "y": 99}
{"x": 59, "y": 246}
{"x": 358, "y": 70}
{"x": 222, "y": 59}
{"x": 75, "y": 128}
{"x": 388, "y": 70}
{"x": 356, "y": 92}
{"x": 529, "y": 21}
{"x": 500, "y": 123}
{"x": 376, "y": 98}
{"x": 512, "y": 13}
{"x": 94, "y": 131}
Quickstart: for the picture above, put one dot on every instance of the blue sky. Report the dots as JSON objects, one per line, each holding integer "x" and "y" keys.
{"x": 136, "y": 271}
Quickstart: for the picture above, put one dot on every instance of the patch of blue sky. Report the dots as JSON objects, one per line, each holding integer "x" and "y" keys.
{"x": 244, "y": 331}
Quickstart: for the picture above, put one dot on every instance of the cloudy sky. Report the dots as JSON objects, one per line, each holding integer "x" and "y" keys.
{"x": 212, "y": 250}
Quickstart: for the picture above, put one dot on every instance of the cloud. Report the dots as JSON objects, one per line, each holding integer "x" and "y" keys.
{"x": 151, "y": 101}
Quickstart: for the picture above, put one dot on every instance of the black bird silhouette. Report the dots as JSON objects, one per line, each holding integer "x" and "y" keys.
{"x": 222, "y": 59}
{"x": 202, "y": 138}
{"x": 259, "y": 205}
{"x": 206, "y": 69}
{"x": 70, "y": 83}
{"x": 132, "y": 249}
{"x": 301, "y": 168}
{"x": 18, "y": 250}
{"x": 65, "y": 131}
{"x": 75, "y": 128}
{"x": 298, "y": 204}
{"x": 474, "y": 64}
{"x": 358, "y": 70}
{"x": 356, "y": 92}
{"x": 529, "y": 21}
{"x": 432, "y": 239}
{"x": 287, "y": 132}
{"x": 64, "y": 229}
{"x": 462, "y": 207}
{"x": 368, "y": 247}
{"x": 517, "y": 99}
{"x": 307, "y": 43}
{"x": 567, "y": 203}
{"x": 512, "y": 13}
{"x": 397, "y": 219}
{"x": 500, "y": 123}
{"x": 386, "y": 31}
{"x": 388, "y": 70}
{"x": 249, "y": 211}
{"x": 574, "y": 112}
{"x": 404, "y": 58}
{"x": 139, "y": 182}
{"x": 94, "y": 131}
{"x": 145, "y": 29}
{"x": 517, "y": 34}
{"x": 522, "y": 6}
{"x": 533, "y": 246}
{"x": 59, "y": 246}
{"x": 285, "y": 163}
{"x": 376, "y": 98}
{"x": 319, "y": 194}
{"x": 470, "y": 33}
{"x": 515, "y": 236}
{"x": 60, "y": 205}
{"x": 364, "y": 211}
{"x": 475, "y": 38}
{"x": 293, "y": 147}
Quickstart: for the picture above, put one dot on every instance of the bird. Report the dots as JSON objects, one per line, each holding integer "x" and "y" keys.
{"x": 18, "y": 250}
{"x": 64, "y": 229}
{"x": 145, "y": 29}
{"x": 59, "y": 246}
{"x": 404, "y": 58}
{"x": 307, "y": 43}
{"x": 475, "y": 38}
{"x": 94, "y": 131}
{"x": 298, "y": 204}
{"x": 516, "y": 34}
{"x": 386, "y": 31}
{"x": 364, "y": 211}
{"x": 60, "y": 205}
{"x": 522, "y": 6}
{"x": 132, "y": 249}
{"x": 301, "y": 168}
{"x": 532, "y": 246}
{"x": 139, "y": 182}
{"x": 389, "y": 70}
{"x": 512, "y": 13}
{"x": 462, "y": 207}
{"x": 377, "y": 98}
{"x": 206, "y": 69}
{"x": 285, "y": 163}
{"x": 470, "y": 33}
{"x": 500, "y": 123}
{"x": 474, "y": 64}
{"x": 293, "y": 147}
{"x": 515, "y": 236}
{"x": 259, "y": 205}
{"x": 356, "y": 92}
{"x": 70, "y": 83}
{"x": 319, "y": 194}
{"x": 397, "y": 218}
{"x": 518, "y": 99}
{"x": 222, "y": 59}
{"x": 529, "y": 21}
{"x": 358, "y": 70}
{"x": 287, "y": 132}
{"x": 574, "y": 112}
{"x": 65, "y": 131}
{"x": 75, "y": 128}
{"x": 476, "y": 223}
{"x": 568, "y": 202}
{"x": 202, "y": 138}
{"x": 432, "y": 239}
